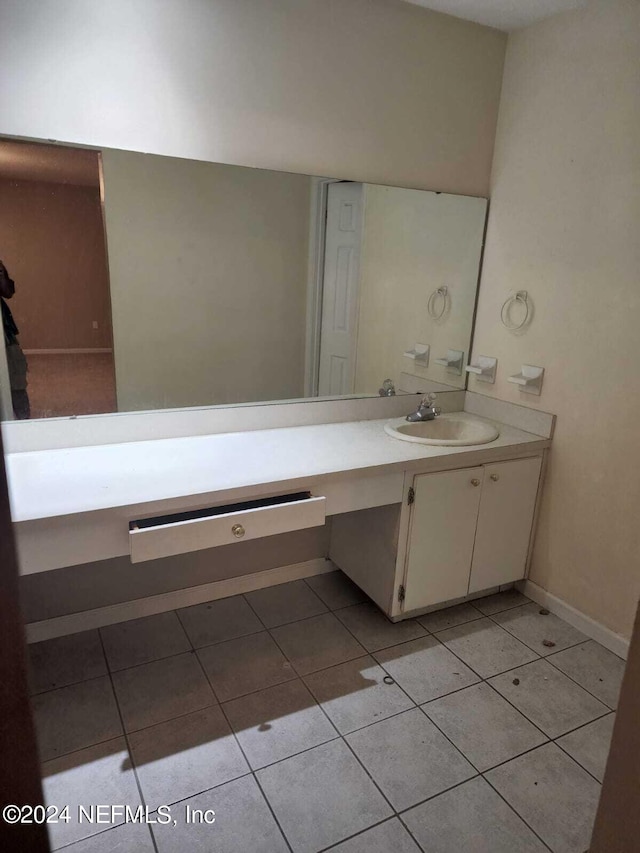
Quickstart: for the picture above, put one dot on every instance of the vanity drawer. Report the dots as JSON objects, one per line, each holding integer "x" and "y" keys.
{"x": 166, "y": 536}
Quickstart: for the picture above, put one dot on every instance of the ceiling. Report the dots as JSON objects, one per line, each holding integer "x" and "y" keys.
{"x": 28, "y": 161}
{"x": 505, "y": 15}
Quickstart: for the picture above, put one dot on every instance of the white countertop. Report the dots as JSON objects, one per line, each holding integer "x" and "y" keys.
{"x": 51, "y": 483}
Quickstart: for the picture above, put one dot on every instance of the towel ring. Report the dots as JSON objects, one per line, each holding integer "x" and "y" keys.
{"x": 523, "y": 298}
{"x": 431, "y": 304}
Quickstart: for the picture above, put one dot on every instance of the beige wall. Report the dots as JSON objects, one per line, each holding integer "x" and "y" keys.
{"x": 208, "y": 268}
{"x": 371, "y": 90}
{"x": 564, "y": 225}
{"x": 414, "y": 242}
{"x": 52, "y": 241}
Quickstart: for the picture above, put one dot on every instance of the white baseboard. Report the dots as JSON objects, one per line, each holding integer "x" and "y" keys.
{"x": 606, "y": 637}
{"x": 73, "y": 623}
{"x": 67, "y": 351}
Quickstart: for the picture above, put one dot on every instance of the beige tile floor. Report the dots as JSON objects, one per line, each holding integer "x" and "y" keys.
{"x": 307, "y": 722}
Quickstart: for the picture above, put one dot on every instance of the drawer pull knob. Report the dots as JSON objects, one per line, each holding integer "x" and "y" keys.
{"x": 495, "y": 477}
{"x": 475, "y": 482}
{"x": 238, "y": 531}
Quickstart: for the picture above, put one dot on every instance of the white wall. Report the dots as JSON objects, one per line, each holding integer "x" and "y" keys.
{"x": 564, "y": 225}
{"x": 371, "y": 90}
{"x": 413, "y": 243}
{"x": 208, "y": 267}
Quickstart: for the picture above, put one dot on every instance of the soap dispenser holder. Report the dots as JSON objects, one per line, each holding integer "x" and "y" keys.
{"x": 452, "y": 361}
{"x": 529, "y": 379}
{"x": 419, "y": 353}
{"x": 483, "y": 368}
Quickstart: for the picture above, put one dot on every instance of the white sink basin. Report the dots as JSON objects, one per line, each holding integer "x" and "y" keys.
{"x": 456, "y": 429}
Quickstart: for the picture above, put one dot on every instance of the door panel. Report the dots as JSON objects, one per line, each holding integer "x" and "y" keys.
{"x": 340, "y": 289}
{"x": 441, "y": 535}
{"x": 504, "y": 523}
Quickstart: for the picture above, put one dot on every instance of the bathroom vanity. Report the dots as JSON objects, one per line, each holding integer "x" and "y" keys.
{"x": 457, "y": 532}
{"x": 300, "y": 288}
{"x": 413, "y": 525}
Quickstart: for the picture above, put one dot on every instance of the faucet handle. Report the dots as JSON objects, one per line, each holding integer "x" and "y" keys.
{"x": 428, "y": 399}
{"x": 388, "y": 389}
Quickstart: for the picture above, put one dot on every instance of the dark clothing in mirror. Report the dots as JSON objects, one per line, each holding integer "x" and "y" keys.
{"x": 16, "y": 364}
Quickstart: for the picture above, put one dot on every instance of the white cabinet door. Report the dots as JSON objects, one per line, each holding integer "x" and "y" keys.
{"x": 443, "y": 524}
{"x": 504, "y": 523}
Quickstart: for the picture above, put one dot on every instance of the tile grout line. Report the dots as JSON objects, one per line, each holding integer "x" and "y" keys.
{"x": 253, "y": 610}
{"x": 514, "y": 810}
{"x": 519, "y": 710}
{"x": 340, "y": 735}
{"x": 402, "y": 814}
{"x": 293, "y": 621}
{"x": 348, "y": 745}
{"x": 365, "y": 599}
{"x": 197, "y": 649}
{"x": 226, "y": 639}
{"x": 80, "y": 841}
{"x": 548, "y": 657}
{"x": 268, "y": 630}
{"x": 568, "y": 754}
{"x": 359, "y": 833}
{"x": 515, "y": 707}
{"x": 459, "y": 749}
{"x": 449, "y": 627}
{"x": 250, "y": 771}
{"x": 142, "y": 663}
{"x": 270, "y": 807}
{"x": 303, "y": 678}
{"x": 479, "y": 773}
{"x": 322, "y": 668}
{"x": 217, "y": 703}
{"x": 586, "y": 690}
{"x": 369, "y": 654}
{"x": 479, "y": 674}
{"x": 416, "y": 707}
{"x": 374, "y": 722}
{"x": 128, "y": 744}
{"x": 482, "y": 774}
{"x": 518, "y": 666}
{"x": 528, "y": 645}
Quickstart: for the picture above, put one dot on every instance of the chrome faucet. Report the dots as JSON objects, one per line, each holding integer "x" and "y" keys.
{"x": 388, "y": 389}
{"x": 426, "y": 411}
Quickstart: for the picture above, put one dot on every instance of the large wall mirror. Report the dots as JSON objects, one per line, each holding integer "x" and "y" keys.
{"x": 139, "y": 282}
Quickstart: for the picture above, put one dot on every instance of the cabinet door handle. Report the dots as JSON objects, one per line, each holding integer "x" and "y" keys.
{"x": 238, "y": 531}
{"x": 475, "y": 482}
{"x": 495, "y": 477}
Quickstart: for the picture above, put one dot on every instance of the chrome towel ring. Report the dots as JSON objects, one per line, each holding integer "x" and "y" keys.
{"x": 521, "y": 297}
{"x": 433, "y": 299}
